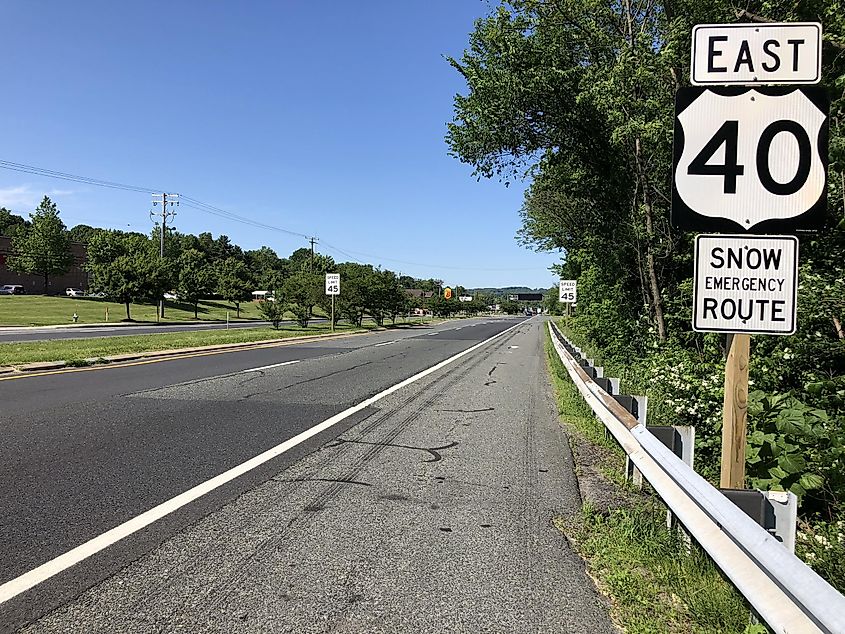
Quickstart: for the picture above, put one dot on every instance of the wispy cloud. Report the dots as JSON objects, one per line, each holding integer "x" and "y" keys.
{"x": 24, "y": 198}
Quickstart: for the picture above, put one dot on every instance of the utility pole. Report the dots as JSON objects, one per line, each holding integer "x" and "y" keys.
{"x": 312, "y": 241}
{"x": 167, "y": 202}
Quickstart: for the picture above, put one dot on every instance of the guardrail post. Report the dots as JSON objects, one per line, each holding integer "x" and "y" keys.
{"x": 785, "y": 507}
{"x": 775, "y": 511}
{"x": 640, "y": 412}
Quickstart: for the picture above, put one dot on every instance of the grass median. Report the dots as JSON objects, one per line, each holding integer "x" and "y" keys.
{"x": 656, "y": 582}
{"x": 39, "y": 310}
{"x": 79, "y": 351}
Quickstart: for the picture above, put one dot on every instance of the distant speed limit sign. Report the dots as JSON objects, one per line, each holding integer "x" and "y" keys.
{"x": 568, "y": 291}
{"x": 332, "y": 283}
{"x": 750, "y": 159}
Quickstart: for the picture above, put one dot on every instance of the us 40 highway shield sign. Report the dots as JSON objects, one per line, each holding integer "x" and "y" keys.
{"x": 750, "y": 159}
{"x": 745, "y": 284}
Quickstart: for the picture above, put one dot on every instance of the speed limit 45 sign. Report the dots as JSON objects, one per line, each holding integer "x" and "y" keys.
{"x": 750, "y": 159}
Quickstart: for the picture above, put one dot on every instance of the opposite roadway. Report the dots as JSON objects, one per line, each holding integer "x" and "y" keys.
{"x": 428, "y": 508}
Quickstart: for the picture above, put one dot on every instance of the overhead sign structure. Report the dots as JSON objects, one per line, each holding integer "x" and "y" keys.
{"x": 770, "y": 53}
{"x": 750, "y": 159}
{"x": 332, "y": 283}
{"x": 745, "y": 284}
{"x": 568, "y": 291}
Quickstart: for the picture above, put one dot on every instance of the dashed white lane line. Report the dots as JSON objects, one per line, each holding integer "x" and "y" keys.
{"x": 37, "y": 575}
{"x": 431, "y": 334}
{"x": 275, "y": 365}
{"x": 386, "y": 343}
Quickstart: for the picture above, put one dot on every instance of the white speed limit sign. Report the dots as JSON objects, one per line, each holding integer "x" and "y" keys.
{"x": 332, "y": 283}
{"x": 750, "y": 159}
{"x": 568, "y": 291}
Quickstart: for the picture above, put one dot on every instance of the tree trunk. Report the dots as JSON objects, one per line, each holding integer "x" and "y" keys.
{"x": 196, "y": 309}
{"x": 127, "y": 312}
{"x": 838, "y": 325}
{"x": 238, "y": 309}
{"x": 46, "y": 284}
{"x": 654, "y": 286}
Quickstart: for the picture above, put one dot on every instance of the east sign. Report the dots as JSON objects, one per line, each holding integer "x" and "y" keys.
{"x": 772, "y": 53}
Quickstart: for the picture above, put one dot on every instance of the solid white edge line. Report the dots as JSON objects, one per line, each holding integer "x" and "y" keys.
{"x": 37, "y": 575}
{"x": 274, "y": 365}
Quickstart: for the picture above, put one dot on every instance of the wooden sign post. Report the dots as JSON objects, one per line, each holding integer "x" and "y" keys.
{"x": 735, "y": 415}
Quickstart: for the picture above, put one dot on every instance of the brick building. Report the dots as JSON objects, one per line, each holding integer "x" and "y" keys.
{"x": 76, "y": 277}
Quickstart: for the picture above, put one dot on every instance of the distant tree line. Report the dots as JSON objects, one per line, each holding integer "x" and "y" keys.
{"x": 127, "y": 267}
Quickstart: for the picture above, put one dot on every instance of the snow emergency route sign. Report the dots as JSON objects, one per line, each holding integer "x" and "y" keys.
{"x": 745, "y": 284}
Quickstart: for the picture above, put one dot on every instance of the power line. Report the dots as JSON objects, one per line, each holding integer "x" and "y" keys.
{"x": 40, "y": 171}
{"x": 198, "y": 205}
{"x": 193, "y": 203}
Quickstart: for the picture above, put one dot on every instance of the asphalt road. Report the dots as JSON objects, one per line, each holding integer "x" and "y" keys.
{"x": 429, "y": 510}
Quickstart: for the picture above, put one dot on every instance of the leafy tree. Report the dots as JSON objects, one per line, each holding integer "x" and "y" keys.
{"x": 196, "y": 278}
{"x": 126, "y": 267}
{"x": 509, "y": 307}
{"x": 442, "y": 307}
{"x": 352, "y": 301}
{"x": 268, "y": 270}
{"x": 383, "y": 296}
{"x": 11, "y": 224}
{"x": 272, "y": 310}
{"x": 473, "y": 307}
{"x": 299, "y": 293}
{"x": 234, "y": 282}
{"x": 82, "y": 233}
{"x": 217, "y": 249}
{"x": 44, "y": 247}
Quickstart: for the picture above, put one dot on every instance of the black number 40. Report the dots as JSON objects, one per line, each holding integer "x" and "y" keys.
{"x": 727, "y": 136}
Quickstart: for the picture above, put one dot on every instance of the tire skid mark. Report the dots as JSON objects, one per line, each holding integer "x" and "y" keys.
{"x": 217, "y": 594}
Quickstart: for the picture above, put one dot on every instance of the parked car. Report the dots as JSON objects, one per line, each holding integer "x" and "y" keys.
{"x": 12, "y": 289}
{"x": 171, "y": 296}
{"x": 74, "y": 292}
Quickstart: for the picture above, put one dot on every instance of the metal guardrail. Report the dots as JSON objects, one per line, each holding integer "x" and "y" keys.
{"x": 786, "y": 593}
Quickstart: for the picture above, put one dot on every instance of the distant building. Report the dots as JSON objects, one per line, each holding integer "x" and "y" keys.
{"x": 76, "y": 277}
{"x": 419, "y": 293}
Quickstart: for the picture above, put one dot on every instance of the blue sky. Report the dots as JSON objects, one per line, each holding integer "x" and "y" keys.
{"x": 325, "y": 118}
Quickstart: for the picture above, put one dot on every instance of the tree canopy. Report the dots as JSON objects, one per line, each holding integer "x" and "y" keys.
{"x": 42, "y": 248}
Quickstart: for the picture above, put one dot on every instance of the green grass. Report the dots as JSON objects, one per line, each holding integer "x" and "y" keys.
{"x": 76, "y": 351}
{"x": 37, "y": 310}
{"x": 654, "y": 585}
{"x": 636, "y": 561}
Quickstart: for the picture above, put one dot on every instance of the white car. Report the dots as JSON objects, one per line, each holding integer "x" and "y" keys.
{"x": 74, "y": 292}
{"x": 171, "y": 296}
